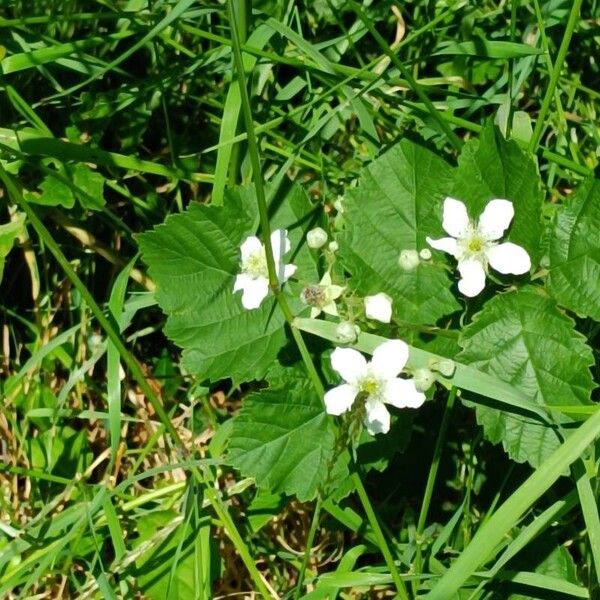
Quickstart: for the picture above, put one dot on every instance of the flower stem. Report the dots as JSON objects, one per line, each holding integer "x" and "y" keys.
{"x": 262, "y": 205}
{"x": 310, "y": 540}
{"x": 435, "y": 463}
{"x": 558, "y": 65}
{"x": 383, "y": 545}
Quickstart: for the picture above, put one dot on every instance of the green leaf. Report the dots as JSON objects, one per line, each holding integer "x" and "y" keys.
{"x": 523, "y": 339}
{"x": 91, "y": 183}
{"x": 194, "y": 258}
{"x": 487, "y": 49}
{"x": 575, "y": 252}
{"x": 157, "y": 575}
{"x": 9, "y": 232}
{"x": 396, "y": 205}
{"x": 284, "y": 440}
{"x": 490, "y": 167}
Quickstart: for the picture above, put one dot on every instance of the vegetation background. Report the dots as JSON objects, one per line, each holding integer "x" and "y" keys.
{"x": 115, "y": 114}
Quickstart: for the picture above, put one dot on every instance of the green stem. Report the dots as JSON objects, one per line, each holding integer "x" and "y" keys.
{"x": 307, "y": 549}
{"x": 138, "y": 375}
{"x": 383, "y": 545}
{"x": 262, "y": 205}
{"x": 452, "y": 137}
{"x": 558, "y": 65}
{"x": 431, "y": 478}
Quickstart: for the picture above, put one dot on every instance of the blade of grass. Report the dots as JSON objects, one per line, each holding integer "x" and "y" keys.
{"x": 541, "y": 121}
{"x": 508, "y": 515}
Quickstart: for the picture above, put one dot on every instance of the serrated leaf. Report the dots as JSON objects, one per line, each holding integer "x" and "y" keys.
{"x": 396, "y": 205}
{"x": 574, "y": 274}
{"x": 194, "y": 258}
{"x": 283, "y": 438}
{"x": 523, "y": 339}
{"x": 491, "y": 167}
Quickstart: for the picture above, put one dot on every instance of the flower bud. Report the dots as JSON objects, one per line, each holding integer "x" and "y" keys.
{"x": 316, "y": 238}
{"x": 346, "y": 332}
{"x": 408, "y": 259}
{"x": 333, "y": 246}
{"x": 423, "y": 379}
{"x": 339, "y": 204}
{"x": 446, "y": 367}
{"x": 379, "y": 307}
{"x": 425, "y": 253}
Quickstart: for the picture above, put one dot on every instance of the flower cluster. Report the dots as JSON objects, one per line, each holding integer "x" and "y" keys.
{"x": 369, "y": 386}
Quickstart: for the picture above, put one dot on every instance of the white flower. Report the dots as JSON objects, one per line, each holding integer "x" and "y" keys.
{"x": 379, "y": 307}
{"x": 375, "y": 383}
{"x": 322, "y": 297}
{"x": 474, "y": 244}
{"x": 253, "y": 278}
{"x": 316, "y": 238}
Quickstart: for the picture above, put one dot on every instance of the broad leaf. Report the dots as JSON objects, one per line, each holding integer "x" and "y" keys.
{"x": 285, "y": 441}
{"x": 574, "y": 277}
{"x": 491, "y": 167}
{"x": 522, "y": 338}
{"x": 396, "y": 205}
{"x": 194, "y": 258}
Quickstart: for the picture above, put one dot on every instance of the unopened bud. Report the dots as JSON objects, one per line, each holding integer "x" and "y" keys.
{"x": 379, "y": 307}
{"x": 333, "y": 246}
{"x": 339, "y": 204}
{"x": 425, "y": 254}
{"x": 316, "y": 238}
{"x": 423, "y": 379}
{"x": 346, "y": 332}
{"x": 408, "y": 259}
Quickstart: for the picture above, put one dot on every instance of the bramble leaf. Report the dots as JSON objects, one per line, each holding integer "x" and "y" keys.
{"x": 396, "y": 205}
{"x": 283, "y": 438}
{"x": 522, "y": 338}
{"x": 574, "y": 273}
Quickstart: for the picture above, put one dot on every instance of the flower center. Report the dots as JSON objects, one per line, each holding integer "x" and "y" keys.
{"x": 475, "y": 245}
{"x": 315, "y": 295}
{"x": 256, "y": 265}
{"x": 370, "y": 386}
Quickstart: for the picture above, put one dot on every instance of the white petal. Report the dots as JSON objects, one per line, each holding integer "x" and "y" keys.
{"x": 472, "y": 276}
{"x": 331, "y": 309}
{"x": 456, "y": 218}
{"x": 255, "y": 291}
{"x": 288, "y": 271}
{"x": 379, "y": 307}
{"x": 240, "y": 282}
{"x": 446, "y": 244}
{"x": 349, "y": 363}
{"x": 402, "y": 393}
{"x": 509, "y": 258}
{"x": 339, "y": 399}
{"x": 251, "y": 245}
{"x": 280, "y": 244}
{"x": 377, "y": 417}
{"x": 496, "y": 218}
{"x": 389, "y": 358}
